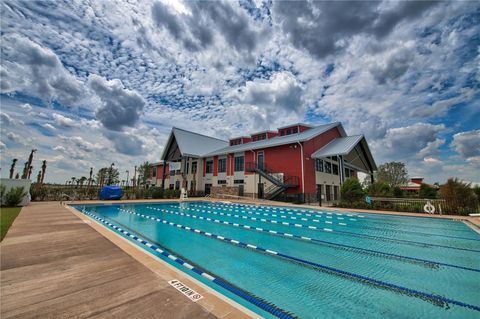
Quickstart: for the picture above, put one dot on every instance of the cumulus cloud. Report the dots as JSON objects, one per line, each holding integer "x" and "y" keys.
{"x": 467, "y": 144}
{"x": 126, "y": 143}
{"x": 324, "y": 28}
{"x": 119, "y": 107}
{"x": 31, "y": 68}
{"x": 414, "y": 140}
{"x": 64, "y": 120}
{"x": 201, "y": 22}
{"x": 5, "y": 118}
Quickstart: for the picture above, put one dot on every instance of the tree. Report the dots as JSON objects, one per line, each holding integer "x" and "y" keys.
{"x": 101, "y": 176}
{"x": 107, "y": 176}
{"x": 476, "y": 190}
{"x": 12, "y": 168}
{"x": 379, "y": 189}
{"x": 427, "y": 191}
{"x": 28, "y": 164}
{"x": 352, "y": 190}
{"x": 44, "y": 168}
{"x": 144, "y": 172}
{"x": 393, "y": 174}
{"x": 458, "y": 195}
{"x": 82, "y": 180}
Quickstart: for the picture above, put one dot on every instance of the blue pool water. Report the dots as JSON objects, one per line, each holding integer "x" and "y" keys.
{"x": 306, "y": 263}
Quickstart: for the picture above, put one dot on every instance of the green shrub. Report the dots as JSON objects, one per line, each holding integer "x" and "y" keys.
{"x": 14, "y": 196}
{"x": 378, "y": 190}
{"x": 427, "y": 191}
{"x": 156, "y": 192}
{"x": 460, "y": 197}
{"x": 397, "y": 192}
{"x": 351, "y": 190}
{"x": 168, "y": 193}
{"x": 2, "y": 193}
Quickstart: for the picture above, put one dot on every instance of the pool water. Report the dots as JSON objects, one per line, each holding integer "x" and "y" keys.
{"x": 306, "y": 263}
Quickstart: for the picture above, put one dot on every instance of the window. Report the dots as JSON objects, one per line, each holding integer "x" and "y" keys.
{"x": 335, "y": 192}
{"x": 289, "y": 132}
{"x": 328, "y": 192}
{"x": 154, "y": 171}
{"x": 282, "y": 133}
{"x": 319, "y": 165}
{"x": 333, "y": 158}
{"x": 347, "y": 173}
{"x": 328, "y": 167}
{"x": 238, "y": 165}
{"x": 188, "y": 166}
{"x": 209, "y": 167}
{"x": 221, "y": 182}
{"x": 172, "y": 173}
{"x": 295, "y": 130}
{"x": 238, "y": 181}
{"x": 177, "y": 185}
{"x": 222, "y": 165}
{"x": 335, "y": 169}
{"x": 194, "y": 167}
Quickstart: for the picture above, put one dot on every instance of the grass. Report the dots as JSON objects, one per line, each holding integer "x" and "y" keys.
{"x": 7, "y": 216}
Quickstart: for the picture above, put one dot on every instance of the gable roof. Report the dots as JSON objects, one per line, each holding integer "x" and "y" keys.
{"x": 193, "y": 144}
{"x": 279, "y": 140}
{"x": 343, "y": 146}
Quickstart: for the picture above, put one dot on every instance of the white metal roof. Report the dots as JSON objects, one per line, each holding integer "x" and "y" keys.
{"x": 279, "y": 140}
{"x": 193, "y": 144}
{"x": 338, "y": 146}
{"x": 343, "y": 146}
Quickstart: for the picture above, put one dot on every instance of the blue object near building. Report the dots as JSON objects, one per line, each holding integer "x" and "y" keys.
{"x": 369, "y": 200}
{"x": 111, "y": 192}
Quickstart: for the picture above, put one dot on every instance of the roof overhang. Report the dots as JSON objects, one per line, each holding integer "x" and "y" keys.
{"x": 342, "y": 146}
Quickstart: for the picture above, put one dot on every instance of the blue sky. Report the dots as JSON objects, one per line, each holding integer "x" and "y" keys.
{"x": 91, "y": 82}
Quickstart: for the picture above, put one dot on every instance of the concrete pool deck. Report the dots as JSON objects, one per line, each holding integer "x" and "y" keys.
{"x": 56, "y": 263}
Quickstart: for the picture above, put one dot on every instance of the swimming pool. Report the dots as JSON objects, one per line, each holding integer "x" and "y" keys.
{"x": 305, "y": 263}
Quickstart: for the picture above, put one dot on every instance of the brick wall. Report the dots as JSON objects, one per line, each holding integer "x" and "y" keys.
{"x": 228, "y": 190}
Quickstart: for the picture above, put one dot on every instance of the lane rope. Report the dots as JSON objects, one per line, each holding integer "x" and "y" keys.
{"x": 393, "y": 220}
{"x": 308, "y": 239}
{"x": 340, "y": 223}
{"x": 274, "y": 310}
{"x": 407, "y": 291}
{"x": 321, "y": 229}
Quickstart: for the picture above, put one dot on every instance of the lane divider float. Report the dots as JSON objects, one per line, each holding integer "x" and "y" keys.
{"x": 437, "y": 299}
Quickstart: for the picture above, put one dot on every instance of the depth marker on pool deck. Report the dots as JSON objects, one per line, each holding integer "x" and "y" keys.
{"x": 309, "y": 239}
{"x": 340, "y": 272}
{"x": 256, "y": 301}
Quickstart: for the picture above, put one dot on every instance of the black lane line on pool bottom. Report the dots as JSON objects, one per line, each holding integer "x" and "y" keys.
{"x": 395, "y": 240}
{"x": 364, "y": 216}
{"x": 435, "y": 299}
{"x": 350, "y": 225}
{"x": 426, "y": 262}
{"x": 259, "y": 302}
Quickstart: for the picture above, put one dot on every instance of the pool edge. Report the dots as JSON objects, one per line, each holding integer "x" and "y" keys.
{"x": 167, "y": 272}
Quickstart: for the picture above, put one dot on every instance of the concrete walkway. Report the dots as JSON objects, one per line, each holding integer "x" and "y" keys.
{"x": 54, "y": 265}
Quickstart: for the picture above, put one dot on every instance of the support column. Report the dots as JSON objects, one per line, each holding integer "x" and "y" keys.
{"x": 163, "y": 174}
{"x": 342, "y": 169}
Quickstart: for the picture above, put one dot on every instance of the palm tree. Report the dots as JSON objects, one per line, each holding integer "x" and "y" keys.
{"x": 82, "y": 180}
{"x": 44, "y": 168}
{"x": 30, "y": 172}
{"x": 28, "y": 164}
{"x": 12, "y": 168}
{"x": 25, "y": 170}
{"x": 39, "y": 177}
{"x": 73, "y": 181}
{"x": 90, "y": 178}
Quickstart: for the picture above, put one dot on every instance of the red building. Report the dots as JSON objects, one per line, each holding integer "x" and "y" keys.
{"x": 294, "y": 161}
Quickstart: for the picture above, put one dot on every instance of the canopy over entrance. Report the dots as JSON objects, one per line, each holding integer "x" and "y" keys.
{"x": 353, "y": 152}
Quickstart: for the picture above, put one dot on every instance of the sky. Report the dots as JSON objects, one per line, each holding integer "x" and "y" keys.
{"x": 88, "y": 83}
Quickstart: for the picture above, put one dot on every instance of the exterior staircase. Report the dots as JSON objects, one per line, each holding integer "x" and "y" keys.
{"x": 279, "y": 183}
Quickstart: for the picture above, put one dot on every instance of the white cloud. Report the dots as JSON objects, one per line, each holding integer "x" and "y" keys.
{"x": 64, "y": 120}
{"x": 467, "y": 144}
